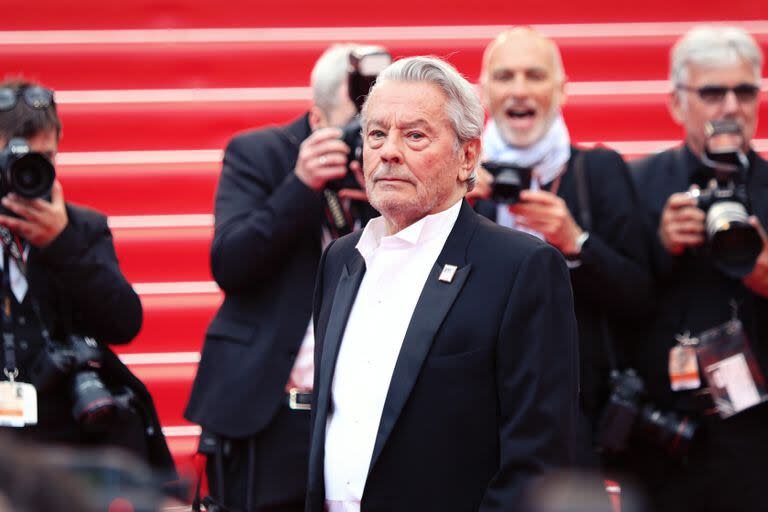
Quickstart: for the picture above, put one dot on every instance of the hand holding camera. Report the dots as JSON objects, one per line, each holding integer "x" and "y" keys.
{"x": 682, "y": 223}
{"x": 38, "y": 220}
{"x": 548, "y": 214}
{"x": 322, "y": 157}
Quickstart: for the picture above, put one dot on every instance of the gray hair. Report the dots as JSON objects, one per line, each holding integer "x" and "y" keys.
{"x": 463, "y": 107}
{"x": 713, "y": 46}
{"x": 330, "y": 71}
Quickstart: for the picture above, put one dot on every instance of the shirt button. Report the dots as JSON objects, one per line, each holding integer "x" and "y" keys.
{"x": 23, "y": 345}
{"x": 22, "y": 320}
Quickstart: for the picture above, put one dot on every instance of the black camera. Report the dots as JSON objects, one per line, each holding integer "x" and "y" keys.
{"x": 628, "y": 413}
{"x": 365, "y": 64}
{"x": 25, "y": 172}
{"x": 508, "y": 181}
{"x": 732, "y": 241}
{"x": 76, "y": 362}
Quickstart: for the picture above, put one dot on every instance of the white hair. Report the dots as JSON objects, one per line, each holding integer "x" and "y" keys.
{"x": 330, "y": 71}
{"x": 713, "y": 46}
{"x": 463, "y": 107}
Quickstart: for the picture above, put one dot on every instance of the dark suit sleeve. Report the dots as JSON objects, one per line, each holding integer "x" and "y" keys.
{"x": 614, "y": 269}
{"x": 537, "y": 376}
{"x": 262, "y": 208}
{"x": 103, "y": 304}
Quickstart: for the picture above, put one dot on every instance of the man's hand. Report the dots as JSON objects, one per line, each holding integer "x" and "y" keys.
{"x": 482, "y": 188}
{"x": 322, "y": 157}
{"x": 39, "y": 222}
{"x": 682, "y": 224}
{"x": 548, "y": 214}
{"x": 757, "y": 280}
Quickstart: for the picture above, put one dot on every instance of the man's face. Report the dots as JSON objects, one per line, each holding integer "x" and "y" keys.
{"x": 692, "y": 112}
{"x": 413, "y": 165}
{"x": 521, "y": 89}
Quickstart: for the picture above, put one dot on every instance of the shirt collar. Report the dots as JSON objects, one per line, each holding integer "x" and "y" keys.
{"x": 421, "y": 231}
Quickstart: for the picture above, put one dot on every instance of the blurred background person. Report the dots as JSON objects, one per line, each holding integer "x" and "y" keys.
{"x": 709, "y": 270}
{"x": 65, "y": 299}
{"x": 252, "y": 393}
{"x": 580, "y": 201}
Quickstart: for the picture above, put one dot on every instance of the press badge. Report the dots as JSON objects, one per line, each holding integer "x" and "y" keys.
{"x": 683, "y": 366}
{"x": 730, "y": 370}
{"x": 18, "y": 404}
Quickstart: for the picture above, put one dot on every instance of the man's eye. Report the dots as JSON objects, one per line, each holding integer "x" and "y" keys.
{"x": 375, "y": 134}
{"x": 415, "y": 135}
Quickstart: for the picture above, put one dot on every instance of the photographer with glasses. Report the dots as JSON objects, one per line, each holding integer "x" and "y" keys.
{"x": 63, "y": 298}
{"x": 706, "y": 353}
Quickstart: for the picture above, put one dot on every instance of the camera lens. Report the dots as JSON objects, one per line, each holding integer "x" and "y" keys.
{"x": 31, "y": 176}
{"x": 94, "y": 404}
{"x": 668, "y": 430}
{"x": 735, "y": 244}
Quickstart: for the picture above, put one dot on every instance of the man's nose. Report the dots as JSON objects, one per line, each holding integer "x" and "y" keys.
{"x": 391, "y": 151}
{"x": 520, "y": 87}
{"x": 730, "y": 103}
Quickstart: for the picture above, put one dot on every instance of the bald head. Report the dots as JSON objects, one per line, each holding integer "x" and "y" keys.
{"x": 523, "y": 39}
{"x": 523, "y": 84}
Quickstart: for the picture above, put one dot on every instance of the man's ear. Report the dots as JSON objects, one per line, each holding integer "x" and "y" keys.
{"x": 470, "y": 151}
{"x": 317, "y": 118}
{"x": 676, "y": 107}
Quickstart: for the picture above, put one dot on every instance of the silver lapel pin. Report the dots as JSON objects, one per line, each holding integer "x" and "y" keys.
{"x": 448, "y": 272}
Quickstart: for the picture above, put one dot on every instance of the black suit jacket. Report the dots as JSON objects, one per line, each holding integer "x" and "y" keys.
{"x": 613, "y": 281}
{"x": 691, "y": 293}
{"x": 484, "y": 393}
{"x": 78, "y": 284}
{"x": 264, "y": 256}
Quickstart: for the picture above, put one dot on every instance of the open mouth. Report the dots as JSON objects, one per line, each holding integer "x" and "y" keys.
{"x": 520, "y": 113}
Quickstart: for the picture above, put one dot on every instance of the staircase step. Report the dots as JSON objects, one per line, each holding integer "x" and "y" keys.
{"x": 215, "y": 58}
{"x": 593, "y": 112}
{"x": 93, "y": 14}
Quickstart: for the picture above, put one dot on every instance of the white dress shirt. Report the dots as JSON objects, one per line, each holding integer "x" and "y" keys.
{"x": 397, "y": 267}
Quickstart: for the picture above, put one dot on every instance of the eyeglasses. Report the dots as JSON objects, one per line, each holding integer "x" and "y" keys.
{"x": 35, "y": 96}
{"x": 713, "y": 94}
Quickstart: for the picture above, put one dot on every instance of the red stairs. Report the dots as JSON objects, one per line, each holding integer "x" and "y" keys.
{"x": 150, "y": 92}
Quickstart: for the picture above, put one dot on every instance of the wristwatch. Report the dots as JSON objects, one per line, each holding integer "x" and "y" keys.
{"x": 580, "y": 241}
{"x": 574, "y": 260}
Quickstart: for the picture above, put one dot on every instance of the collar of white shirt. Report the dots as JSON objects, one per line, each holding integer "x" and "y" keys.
{"x": 427, "y": 228}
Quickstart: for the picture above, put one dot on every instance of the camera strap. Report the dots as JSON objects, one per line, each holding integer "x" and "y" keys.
{"x": 11, "y": 370}
{"x": 585, "y": 216}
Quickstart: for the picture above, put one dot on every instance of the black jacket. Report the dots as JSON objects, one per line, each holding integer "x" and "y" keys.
{"x": 264, "y": 256}
{"x": 79, "y": 287}
{"x": 484, "y": 392}
{"x": 613, "y": 280}
{"x": 692, "y": 294}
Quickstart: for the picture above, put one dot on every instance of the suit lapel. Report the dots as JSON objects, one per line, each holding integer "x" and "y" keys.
{"x": 343, "y": 299}
{"x": 433, "y": 305}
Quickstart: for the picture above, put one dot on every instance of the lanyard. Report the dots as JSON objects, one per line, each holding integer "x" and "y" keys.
{"x": 12, "y": 249}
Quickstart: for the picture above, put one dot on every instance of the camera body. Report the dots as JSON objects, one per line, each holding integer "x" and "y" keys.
{"x": 25, "y": 172}
{"x": 365, "y": 64}
{"x": 508, "y": 181}
{"x": 628, "y": 412}
{"x": 76, "y": 363}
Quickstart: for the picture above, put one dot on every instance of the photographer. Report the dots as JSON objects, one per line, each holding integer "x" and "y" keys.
{"x": 580, "y": 201}
{"x": 711, "y": 272}
{"x": 252, "y": 392}
{"x": 62, "y": 288}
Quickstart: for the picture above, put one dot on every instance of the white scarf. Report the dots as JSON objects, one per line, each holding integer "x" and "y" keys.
{"x": 547, "y": 157}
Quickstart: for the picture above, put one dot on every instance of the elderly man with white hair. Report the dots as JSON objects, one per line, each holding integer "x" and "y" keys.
{"x": 706, "y": 355}
{"x": 446, "y": 353}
